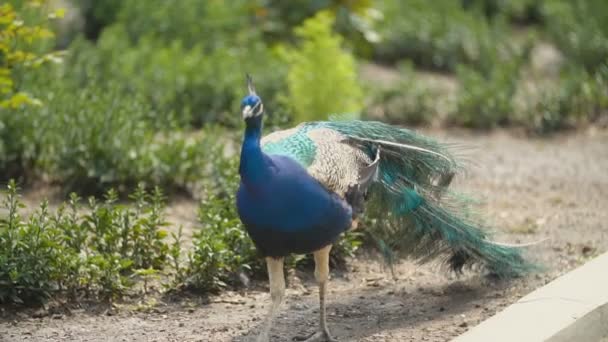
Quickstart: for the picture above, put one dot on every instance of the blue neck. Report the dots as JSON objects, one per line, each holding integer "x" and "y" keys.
{"x": 255, "y": 165}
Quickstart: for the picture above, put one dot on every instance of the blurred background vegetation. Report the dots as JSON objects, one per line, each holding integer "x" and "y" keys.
{"x": 105, "y": 94}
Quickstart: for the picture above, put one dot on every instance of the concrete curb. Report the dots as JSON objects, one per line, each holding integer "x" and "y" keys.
{"x": 573, "y": 307}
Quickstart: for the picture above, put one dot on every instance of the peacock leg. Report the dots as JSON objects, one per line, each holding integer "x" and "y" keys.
{"x": 277, "y": 292}
{"x": 322, "y": 275}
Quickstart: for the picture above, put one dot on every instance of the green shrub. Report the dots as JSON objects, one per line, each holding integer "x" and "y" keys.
{"x": 184, "y": 86}
{"x": 214, "y": 24}
{"x": 407, "y": 102}
{"x": 579, "y": 98}
{"x": 24, "y": 49}
{"x": 438, "y": 34}
{"x": 579, "y": 28}
{"x": 95, "y": 138}
{"x": 522, "y": 11}
{"x": 322, "y": 78}
{"x": 188, "y": 59}
{"x": 97, "y": 15}
{"x": 222, "y": 247}
{"x": 19, "y": 146}
{"x": 198, "y": 53}
{"x": 75, "y": 253}
{"x": 28, "y": 261}
{"x": 91, "y": 137}
{"x": 487, "y": 100}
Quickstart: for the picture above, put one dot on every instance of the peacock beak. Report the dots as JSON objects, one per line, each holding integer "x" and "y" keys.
{"x": 247, "y": 112}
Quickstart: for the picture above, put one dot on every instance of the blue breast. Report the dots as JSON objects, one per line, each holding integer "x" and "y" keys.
{"x": 290, "y": 212}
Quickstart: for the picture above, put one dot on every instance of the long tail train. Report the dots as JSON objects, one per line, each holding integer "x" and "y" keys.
{"x": 425, "y": 220}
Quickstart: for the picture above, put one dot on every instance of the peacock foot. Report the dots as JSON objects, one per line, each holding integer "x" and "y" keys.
{"x": 319, "y": 336}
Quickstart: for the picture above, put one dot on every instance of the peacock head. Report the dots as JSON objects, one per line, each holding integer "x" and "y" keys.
{"x": 251, "y": 106}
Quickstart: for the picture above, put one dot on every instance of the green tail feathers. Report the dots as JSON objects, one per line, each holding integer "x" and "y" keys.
{"x": 425, "y": 221}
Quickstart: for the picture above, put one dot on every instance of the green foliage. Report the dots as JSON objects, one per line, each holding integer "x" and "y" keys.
{"x": 486, "y": 101}
{"x": 438, "y": 34}
{"x": 19, "y": 147}
{"x": 580, "y": 97}
{"x": 222, "y": 247}
{"x": 97, "y": 15}
{"x": 322, "y": 78}
{"x": 580, "y": 30}
{"x": 22, "y": 47}
{"x": 92, "y": 138}
{"x": 522, "y": 11}
{"x": 94, "y": 134}
{"x": 406, "y": 102}
{"x": 74, "y": 253}
{"x": 27, "y": 257}
{"x": 215, "y": 24}
{"x": 95, "y": 138}
{"x": 185, "y": 80}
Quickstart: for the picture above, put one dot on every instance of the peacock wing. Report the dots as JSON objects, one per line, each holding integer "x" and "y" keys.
{"x": 324, "y": 153}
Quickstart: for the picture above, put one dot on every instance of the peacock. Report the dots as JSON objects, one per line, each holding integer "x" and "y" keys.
{"x": 301, "y": 188}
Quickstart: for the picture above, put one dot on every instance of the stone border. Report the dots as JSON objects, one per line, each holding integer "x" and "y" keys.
{"x": 573, "y": 307}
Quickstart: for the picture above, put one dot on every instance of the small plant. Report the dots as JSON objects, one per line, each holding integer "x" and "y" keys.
{"x": 175, "y": 252}
{"x": 148, "y": 247}
{"x": 74, "y": 254}
{"x": 28, "y": 259}
{"x": 322, "y": 78}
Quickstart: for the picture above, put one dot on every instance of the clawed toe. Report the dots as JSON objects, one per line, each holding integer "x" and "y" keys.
{"x": 319, "y": 336}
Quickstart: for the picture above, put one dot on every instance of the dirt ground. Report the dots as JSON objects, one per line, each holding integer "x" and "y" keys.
{"x": 532, "y": 189}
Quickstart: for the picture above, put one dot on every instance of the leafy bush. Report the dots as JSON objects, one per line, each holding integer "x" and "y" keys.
{"x": 486, "y": 100}
{"x": 93, "y": 135}
{"x": 222, "y": 248}
{"x": 96, "y": 138}
{"x": 73, "y": 253}
{"x": 19, "y": 147}
{"x": 578, "y": 98}
{"x": 438, "y": 34}
{"x": 214, "y": 24}
{"x": 23, "y": 46}
{"x": 184, "y": 85}
{"x": 523, "y": 11}
{"x": 580, "y": 30}
{"x": 23, "y": 49}
{"x": 406, "y": 102}
{"x": 97, "y": 15}
{"x": 322, "y": 78}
